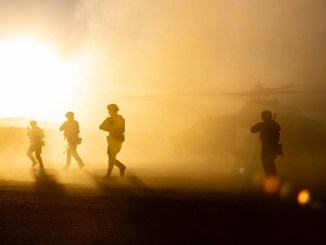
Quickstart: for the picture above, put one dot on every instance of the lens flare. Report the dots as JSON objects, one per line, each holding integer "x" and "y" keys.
{"x": 270, "y": 185}
{"x": 303, "y": 197}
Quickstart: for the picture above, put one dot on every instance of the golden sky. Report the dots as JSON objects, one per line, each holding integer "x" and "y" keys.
{"x": 95, "y": 51}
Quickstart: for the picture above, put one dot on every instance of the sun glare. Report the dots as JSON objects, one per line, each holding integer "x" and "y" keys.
{"x": 35, "y": 81}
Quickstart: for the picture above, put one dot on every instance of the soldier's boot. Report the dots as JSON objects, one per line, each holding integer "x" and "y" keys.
{"x": 34, "y": 164}
{"x": 122, "y": 170}
{"x": 81, "y": 164}
{"x": 40, "y": 162}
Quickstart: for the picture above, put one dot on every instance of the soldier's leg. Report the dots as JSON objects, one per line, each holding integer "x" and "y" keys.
{"x": 76, "y": 156}
{"x": 121, "y": 167}
{"x": 38, "y": 157}
{"x": 111, "y": 162}
{"x": 68, "y": 160}
{"x": 117, "y": 147}
{"x": 29, "y": 154}
{"x": 269, "y": 164}
{"x": 272, "y": 170}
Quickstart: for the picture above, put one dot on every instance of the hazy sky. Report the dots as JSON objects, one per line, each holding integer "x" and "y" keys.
{"x": 117, "y": 48}
{"x": 172, "y": 46}
{"x": 204, "y": 45}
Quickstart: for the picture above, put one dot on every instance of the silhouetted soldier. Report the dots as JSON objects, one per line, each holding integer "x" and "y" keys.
{"x": 115, "y": 125}
{"x": 269, "y": 136}
{"x": 71, "y": 133}
{"x": 36, "y": 136}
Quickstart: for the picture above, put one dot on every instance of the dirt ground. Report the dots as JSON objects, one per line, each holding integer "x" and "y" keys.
{"x": 79, "y": 207}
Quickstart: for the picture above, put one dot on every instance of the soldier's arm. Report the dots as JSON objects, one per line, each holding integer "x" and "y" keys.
{"x": 256, "y": 128}
{"x": 105, "y": 125}
{"x": 77, "y": 127}
{"x": 62, "y": 127}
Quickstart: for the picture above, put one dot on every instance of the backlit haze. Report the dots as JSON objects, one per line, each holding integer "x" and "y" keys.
{"x": 58, "y": 56}
{"x": 37, "y": 82}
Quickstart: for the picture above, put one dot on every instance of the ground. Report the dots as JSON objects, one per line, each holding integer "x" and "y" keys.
{"x": 79, "y": 207}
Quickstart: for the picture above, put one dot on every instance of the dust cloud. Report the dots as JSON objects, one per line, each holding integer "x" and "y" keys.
{"x": 142, "y": 49}
{"x": 176, "y": 47}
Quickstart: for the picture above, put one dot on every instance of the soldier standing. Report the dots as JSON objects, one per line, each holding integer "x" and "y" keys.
{"x": 71, "y": 133}
{"x": 115, "y": 125}
{"x": 269, "y": 136}
{"x": 36, "y": 136}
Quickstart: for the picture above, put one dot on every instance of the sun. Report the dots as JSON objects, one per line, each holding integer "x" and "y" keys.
{"x": 35, "y": 81}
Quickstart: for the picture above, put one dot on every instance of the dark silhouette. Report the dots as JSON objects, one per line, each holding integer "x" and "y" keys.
{"x": 36, "y": 136}
{"x": 71, "y": 133}
{"x": 115, "y": 125}
{"x": 269, "y": 136}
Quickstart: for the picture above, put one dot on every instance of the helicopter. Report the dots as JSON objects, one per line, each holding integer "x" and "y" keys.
{"x": 229, "y": 133}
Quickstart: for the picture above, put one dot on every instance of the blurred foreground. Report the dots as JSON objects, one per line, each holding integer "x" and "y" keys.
{"x": 78, "y": 207}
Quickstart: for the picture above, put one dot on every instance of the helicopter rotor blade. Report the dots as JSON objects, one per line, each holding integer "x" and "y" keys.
{"x": 191, "y": 94}
{"x": 261, "y": 92}
{"x": 299, "y": 91}
{"x": 287, "y": 86}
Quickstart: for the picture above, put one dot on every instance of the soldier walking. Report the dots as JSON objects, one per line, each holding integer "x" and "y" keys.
{"x": 36, "y": 136}
{"x": 269, "y": 136}
{"x": 115, "y": 125}
{"x": 71, "y": 134}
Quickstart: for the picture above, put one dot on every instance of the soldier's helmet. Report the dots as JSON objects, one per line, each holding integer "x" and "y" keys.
{"x": 113, "y": 107}
{"x": 70, "y": 114}
{"x": 266, "y": 115}
{"x": 33, "y": 123}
